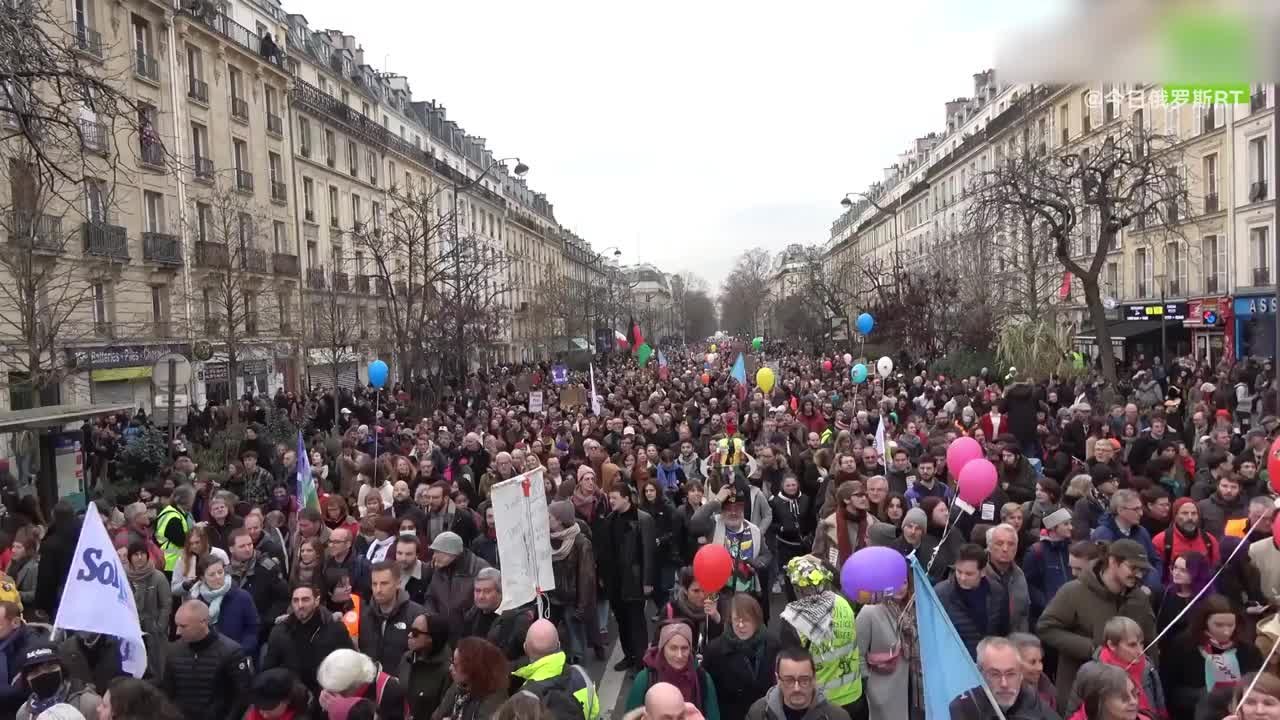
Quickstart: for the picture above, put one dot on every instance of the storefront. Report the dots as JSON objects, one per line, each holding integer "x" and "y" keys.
{"x": 321, "y": 369}
{"x": 1154, "y": 330}
{"x": 1209, "y": 320}
{"x": 256, "y": 372}
{"x": 123, "y": 374}
{"x": 1255, "y": 325}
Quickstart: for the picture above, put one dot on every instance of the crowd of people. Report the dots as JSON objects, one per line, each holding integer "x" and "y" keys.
{"x": 1123, "y": 568}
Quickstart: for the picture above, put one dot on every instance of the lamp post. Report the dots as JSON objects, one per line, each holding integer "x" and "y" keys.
{"x": 1164, "y": 345}
{"x": 519, "y": 170}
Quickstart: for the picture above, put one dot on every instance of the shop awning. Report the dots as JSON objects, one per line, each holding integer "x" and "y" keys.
{"x": 1123, "y": 329}
{"x": 122, "y": 373}
{"x": 57, "y": 415}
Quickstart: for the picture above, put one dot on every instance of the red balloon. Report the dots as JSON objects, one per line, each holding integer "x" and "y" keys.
{"x": 1273, "y": 465}
{"x": 826, "y": 366}
{"x": 706, "y": 379}
{"x": 712, "y": 567}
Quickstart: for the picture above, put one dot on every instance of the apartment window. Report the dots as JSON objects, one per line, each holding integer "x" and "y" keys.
{"x": 153, "y": 211}
{"x": 333, "y": 206}
{"x": 141, "y": 38}
{"x": 1175, "y": 267}
{"x": 195, "y": 73}
{"x": 276, "y": 167}
{"x": 391, "y": 171}
{"x": 331, "y": 147}
{"x": 1260, "y": 252}
{"x": 1139, "y": 134}
{"x": 1086, "y": 117}
{"x": 280, "y": 236}
{"x": 372, "y": 158}
{"x": 1064, "y": 122}
{"x": 95, "y": 196}
{"x": 304, "y": 136}
{"x": 1111, "y": 103}
{"x": 346, "y": 98}
{"x": 323, "y": 84}
{"x": 1214, "y": 257}
{"x": 353, "y": 157}
{"x": 1209, "y": 118}
{"x": 250, "y": 314}
{"x": 1111, "y": 280}
{"x": 1143, "y": 272}
{"x": 244, "y": 229}
{"x": 285, "y": 310}
{"x": 204, "y": 222}
{"x": 240, "y": 154}
{"x": 100, "y": 316}
{"x": 364, "y": 109}
{"x": 313, "y": 256}
{"x": 157, "y": 303}
{"x": 1258, "y": 169}
{"x": 1042, "y": 136}
{"x": 235, "y": 81}
{"x": 309, "y": 199}
{"x": 1211, "y": 182}
{"x": 355, "y": 210}
{"x": 377, "y": 214}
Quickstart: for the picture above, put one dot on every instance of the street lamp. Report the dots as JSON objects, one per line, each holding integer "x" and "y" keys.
{"x": 1164, "y": 349}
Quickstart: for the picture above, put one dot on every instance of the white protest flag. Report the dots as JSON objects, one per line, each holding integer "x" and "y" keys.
{"x": 97, "y": 596}
{"x": 879, "y": 441}
{"x": 524, "y": 538}
{"x": 595, "y": 399}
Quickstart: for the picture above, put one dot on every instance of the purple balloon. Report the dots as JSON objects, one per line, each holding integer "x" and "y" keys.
{"x": 873, "y": 574}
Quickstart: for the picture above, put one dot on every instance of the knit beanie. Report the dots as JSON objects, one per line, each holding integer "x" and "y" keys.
{"x": 562, "y": 511}
{"x": 1056, "y": 518}
{"x": 882, "y": 534}
{"x": 1177, "y": 505}
{"x": 672, "y": 629}
{"x": 584, "y": 470}
{"x": 916, "y": 516}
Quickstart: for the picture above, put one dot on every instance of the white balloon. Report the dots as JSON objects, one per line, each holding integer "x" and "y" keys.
{"x": 884, "y": 366}
{"x": 848, "y": 359}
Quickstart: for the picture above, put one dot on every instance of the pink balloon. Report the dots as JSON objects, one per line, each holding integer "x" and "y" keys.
{"x": 960, "y": 452}
{"x": 977, "y": 481}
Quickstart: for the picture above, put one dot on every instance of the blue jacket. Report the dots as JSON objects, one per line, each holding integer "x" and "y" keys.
{"x": 238, "y": 620}
{"x": 1047, "y": 567}
{"x": 1108, "y": 531}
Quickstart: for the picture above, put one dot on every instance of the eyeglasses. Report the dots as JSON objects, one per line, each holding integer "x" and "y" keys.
{"x": 1009, "y": 677}
{"x": 804, "y": 681}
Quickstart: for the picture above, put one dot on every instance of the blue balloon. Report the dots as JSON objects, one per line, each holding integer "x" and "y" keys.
{"x": 858, "y": 373}
{"x": 865, "y": 323}
{"x": 378, "y": 373}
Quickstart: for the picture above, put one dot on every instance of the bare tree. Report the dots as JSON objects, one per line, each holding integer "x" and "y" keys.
{"x": 743, "y": 293}
{"x": 235, "y": 303}
{"x": 556, "y": 310}
{"x": 830, "y": 282}
{"x": 336, "y": 326}
{"x": 1083, "y": 197}
{"x": 65, "y": 124}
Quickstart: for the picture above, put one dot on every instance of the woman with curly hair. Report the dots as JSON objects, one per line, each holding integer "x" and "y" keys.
{"x": 480, "y": 681}
{"x": 132, "y": 699}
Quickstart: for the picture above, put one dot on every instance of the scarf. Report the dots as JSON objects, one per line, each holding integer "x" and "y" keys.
{"x": 460, "y": 702}
{"x": 212, "y": 598}
{"x": 1135, "y": 670}
{"x": 844, "y": 543}
{"x": 137, "y": 576}
{"x": 585, "y": 506}
{"x": 1221, "y": 665}
{"x": 751, "y": 649}
{"x": 667, "y": 479}
{"x": 562, "y": 542}
{"x": 377, "y": 551}
{"x": 687, "y": 609}
{"x": 909, "y": 650}
{"x": 39, "y": 704}
{"x": 437, "y": 521}
{"x": 686, "y": 680}
{"x": 811, "y": 616}
{"x": 240, "y": 570}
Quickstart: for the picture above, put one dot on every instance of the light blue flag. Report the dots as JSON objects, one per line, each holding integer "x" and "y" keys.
{"x": 948, "y": 671}
{"x": 307, "y": 495}
{"x": 739, "y": 370}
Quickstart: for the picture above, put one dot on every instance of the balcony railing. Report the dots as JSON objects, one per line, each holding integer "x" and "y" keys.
{"x": 151, "y": 153}
{"x": 253, "y": 260}
{"x": 198, "y": 90}
{"x": 145, "y": 67}
{"x": 315, "y": 278}
{"x": 275, "y": 124}
{"x": 212, "y": 255}
{"x": 1257, "y": 190}
{"x": 341, "y": 282}
{"x": 1211, "y": 203}
{"x": 103, "y": 240}
{"x": 88, "y": 40}
{"x": 161, "y": 248}
{"x": 279, "y": 193}
{"x": 240, "y": 108}
{"x": 1261, "y": 276}
{"x": 285, "y": 264}
{"x": 244, "y": 180}
{"x": 362, "y": 284}
{"x": 237, "y": 33}
{"x": 204, "y": 168}
{"x": 93, "y": 135}
{"x": 36, "y": 231}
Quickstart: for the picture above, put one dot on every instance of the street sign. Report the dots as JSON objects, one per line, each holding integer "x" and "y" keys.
{"x": 181, "y": 370}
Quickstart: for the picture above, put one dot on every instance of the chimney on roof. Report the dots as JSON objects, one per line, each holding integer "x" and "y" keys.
{"x": 957, "y": 111}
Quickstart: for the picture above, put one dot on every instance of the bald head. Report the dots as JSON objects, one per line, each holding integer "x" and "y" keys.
{"x": 541, "y": 640}
{"x": 192, "y": 621}
{"x": 664, "y": 702}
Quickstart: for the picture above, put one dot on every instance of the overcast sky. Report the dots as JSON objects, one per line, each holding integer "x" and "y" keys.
{"x": 686, "y": 132}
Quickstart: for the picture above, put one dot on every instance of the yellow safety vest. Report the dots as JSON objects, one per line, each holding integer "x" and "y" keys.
{"x": 172, "y": 553}
{"x": 839, "y": 666}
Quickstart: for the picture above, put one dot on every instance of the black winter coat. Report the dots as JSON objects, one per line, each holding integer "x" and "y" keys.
{"x": 300, "y": 646}
{"x": 56, "y": 553}
{"x": 969, "y": 631}
{"x": 627, "y": 561}
{"x": 425, "y": 679}
{"x": 207, "y": 680}
{"x": 741, "y": 678}
{"x": 267, "y": 586}
{"x": 385, "y": 636}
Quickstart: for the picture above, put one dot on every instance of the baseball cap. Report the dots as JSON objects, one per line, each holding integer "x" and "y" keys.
{"x": 38, "y": 654}
{"x": 1129, "y": 551}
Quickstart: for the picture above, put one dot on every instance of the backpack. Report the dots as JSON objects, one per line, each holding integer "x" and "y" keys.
{"x": 556, "y": 694}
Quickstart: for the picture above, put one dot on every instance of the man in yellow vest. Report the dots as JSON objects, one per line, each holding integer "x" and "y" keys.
{"x": 821, "y": 621}
{"x": 172, "y": 525}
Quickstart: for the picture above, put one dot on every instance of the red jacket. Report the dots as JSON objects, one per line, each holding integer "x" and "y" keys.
{"x": 1204, "y": 543}
{"x": 990, "y": 430}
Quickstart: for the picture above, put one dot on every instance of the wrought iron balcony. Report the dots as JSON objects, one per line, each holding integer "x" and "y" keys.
{"x": 362, "y": 284}
{"x": 204, "y": 168}
{"x": 244, "y": 180}
{"x": 279, "y": 193}
{"x": 275, "y": 124}
{"x": 253, "y": 260}
{"x": 212, "y": 255}
{"x": 232, "y": 30}
{"x": 240, "y": 109}
{"x": 315, "y": 278}
{"x": 161, "y": 248}
{"x": 40, "y": 232}
{"x": 198, "y": 90}
{"x": 341, "y": 282}
{"x": 151, "y": 154}
{"x": 285, "y": 264}
{"x": 93, "y": 136}
{"x": 103, "y": 240}
{"x": 88, "y": 40}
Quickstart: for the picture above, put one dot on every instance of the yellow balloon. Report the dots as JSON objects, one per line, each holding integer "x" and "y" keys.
{"x": 713, "y": 347}
{"x": 764, "y": 379}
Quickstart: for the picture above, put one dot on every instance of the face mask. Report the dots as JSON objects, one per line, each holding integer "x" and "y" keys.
{"x": 44, "y": 686}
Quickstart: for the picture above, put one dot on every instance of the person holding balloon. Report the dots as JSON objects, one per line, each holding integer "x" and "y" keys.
{"x": 822, "y": 621}
{"x": 889, "y": 643}
{"x": 721, "y": 518}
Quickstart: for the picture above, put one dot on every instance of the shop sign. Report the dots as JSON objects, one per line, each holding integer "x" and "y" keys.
{"x": 1261, "y": 305}
{"x": 1206, "y": 312}
{"x": 1176, "y": 311}
{"x": 125, "y": 355}
{"x": 250, "y": 368}
{"x": 215, "y": 372}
